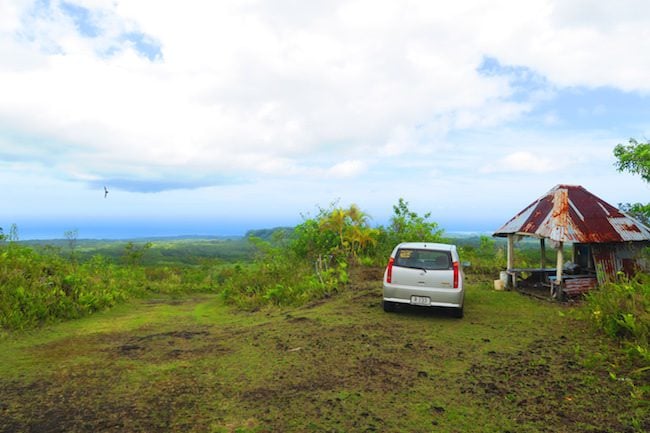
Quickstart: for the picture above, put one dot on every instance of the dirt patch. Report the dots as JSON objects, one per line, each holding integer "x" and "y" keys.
{"x": 300, "y": 319}
{"x": 94, "y": 401}
{"x": 546, "y": 386}
{"x": 173, "y": 301}
{"x": 368, "y": 274}
{"x": 67, "y": 401}
{"x": 383, "y": 374}
{"x": 161, "y": 347}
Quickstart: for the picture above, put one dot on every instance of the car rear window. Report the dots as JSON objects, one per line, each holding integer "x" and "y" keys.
{"x": 423, "y": 259}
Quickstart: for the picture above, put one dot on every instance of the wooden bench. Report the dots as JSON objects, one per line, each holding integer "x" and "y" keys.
{"x": 571, "y": 287}
{"x": 578, "y": 286}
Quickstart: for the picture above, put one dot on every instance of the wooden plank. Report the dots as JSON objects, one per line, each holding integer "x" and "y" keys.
{"x": 578, "y": 286}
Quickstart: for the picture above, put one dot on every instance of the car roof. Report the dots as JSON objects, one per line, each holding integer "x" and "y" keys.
{"x": 427, "y": 246}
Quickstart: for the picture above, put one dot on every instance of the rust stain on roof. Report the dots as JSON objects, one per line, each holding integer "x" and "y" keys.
{"x": 571, "y": 213}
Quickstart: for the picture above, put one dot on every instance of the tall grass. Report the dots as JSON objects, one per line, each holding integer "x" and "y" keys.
{"x": 280, "y": 277}
{"x": 622, "y": 310}
{"x": 37, "y": 288}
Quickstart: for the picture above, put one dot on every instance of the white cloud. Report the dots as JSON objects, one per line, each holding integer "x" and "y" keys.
{"x": 347, "y": 169}
{"x": 10, "y": 15}
{"x": 336, "y": 90}
{"x": 577, "y": 42}
{"x": 232, "y": 82}
{"x": 523, "y": 162}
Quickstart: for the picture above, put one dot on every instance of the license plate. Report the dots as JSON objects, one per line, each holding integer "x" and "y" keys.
{"x": 420, "y": 300}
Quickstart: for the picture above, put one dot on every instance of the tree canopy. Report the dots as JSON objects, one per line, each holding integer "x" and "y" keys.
{"x": 634, "y": 158}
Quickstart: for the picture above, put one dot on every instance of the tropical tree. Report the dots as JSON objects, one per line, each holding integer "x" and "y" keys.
{"x": 635, "y": 158}
{"x": 408, "y": 226}
{"x": 134, "y": 253}
{"x": 71, "y": 236}
{"x": 638, "y": 211}
{"x": 352, "y": 229}
{"x": 13, "y": 233}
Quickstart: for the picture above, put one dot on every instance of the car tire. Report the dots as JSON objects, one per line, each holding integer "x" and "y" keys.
{"x": 458, "y": 313}
{"x": 389, "y": 306}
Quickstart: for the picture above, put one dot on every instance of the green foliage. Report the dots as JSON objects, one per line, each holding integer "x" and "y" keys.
{"x": 309, "y": 264}
{"x": 37, "y": 288}
{"x": 342, "y": 233}
{"x": 12, "y": 236}
{"x": 289, "y": 268}
{"x": 278, "y": 277}
{"x": 622, "y": 310}
{"x": 313, "y": 262}
{"x": 134, "y": 253}
{"x": 634, "y": 158}
{"x": 404, "y": 226}
{"x": 71, "y": 236}
{"x": 638, "y": 211}
{"x": 269, "y": 234}
{"x": 310, "y": 241}
{"x": 408, "y": 226}
{"x": 487, "y": 258}
{"x": 164, "y": 251}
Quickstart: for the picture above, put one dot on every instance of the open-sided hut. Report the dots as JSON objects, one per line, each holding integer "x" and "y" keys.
{"x": 605, "y": 240}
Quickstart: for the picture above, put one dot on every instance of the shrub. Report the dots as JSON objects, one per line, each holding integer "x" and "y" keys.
{"x": 279, "y": 277}
{"x": 622, "y": 310}
{"x": 405, "y": 226}
{"x": 39, "y": 288}
{"x": 486, "y": 259}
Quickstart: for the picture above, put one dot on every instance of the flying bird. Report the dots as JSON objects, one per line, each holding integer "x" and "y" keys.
{"x": 105, "y": 192}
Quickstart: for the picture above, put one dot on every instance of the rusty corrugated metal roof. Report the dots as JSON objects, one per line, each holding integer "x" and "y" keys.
{"x": 570, "y": 213}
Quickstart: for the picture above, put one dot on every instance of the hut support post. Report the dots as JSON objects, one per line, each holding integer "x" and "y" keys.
{"x": 542, "y": 247}
{"x": 511, "y": 252}
{"x": 560, "y": 262}
{"x": 510, "y": 282}
{"x": 556, "y": 286}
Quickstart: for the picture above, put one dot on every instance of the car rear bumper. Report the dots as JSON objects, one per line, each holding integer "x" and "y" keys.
{"x": 452, "y": 298}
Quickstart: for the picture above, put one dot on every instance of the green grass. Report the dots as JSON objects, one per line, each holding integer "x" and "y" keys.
{"x": 194, "y": 364}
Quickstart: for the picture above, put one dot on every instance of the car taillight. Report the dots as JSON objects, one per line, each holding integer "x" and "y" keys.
{"x": 456, "y": 274}
{"x": 389, "y": 270}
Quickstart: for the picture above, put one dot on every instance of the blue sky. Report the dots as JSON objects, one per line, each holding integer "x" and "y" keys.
{"x": 218, "y": 117}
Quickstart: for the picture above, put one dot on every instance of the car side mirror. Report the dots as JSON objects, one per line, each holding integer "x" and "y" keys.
{"x": 467, "y": 264}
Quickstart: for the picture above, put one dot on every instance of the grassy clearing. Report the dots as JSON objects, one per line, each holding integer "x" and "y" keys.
{"x": 337, "y": 365}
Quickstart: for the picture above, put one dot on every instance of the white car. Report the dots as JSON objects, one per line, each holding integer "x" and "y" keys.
{"x": 424, "y": 274}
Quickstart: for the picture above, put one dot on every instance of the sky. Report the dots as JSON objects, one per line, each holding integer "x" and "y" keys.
{"x": 213, "y": 118}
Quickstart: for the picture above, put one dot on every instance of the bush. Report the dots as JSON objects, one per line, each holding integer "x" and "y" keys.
{"x": 39, "y": 288}
{"x": 405, "y": 226}
{"x": 622, "y": 310}
{"x": 279, "y": 277}
{"x": 486, "y": 259}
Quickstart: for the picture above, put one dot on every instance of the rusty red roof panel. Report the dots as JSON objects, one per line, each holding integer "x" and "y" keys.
{"x": 571, "y": 213}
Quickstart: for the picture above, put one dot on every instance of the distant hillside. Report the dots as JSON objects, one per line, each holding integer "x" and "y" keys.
{"x": 269, "y": 234}
{"x": 195, "y": 249}
{"x": 163, "y": 250}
